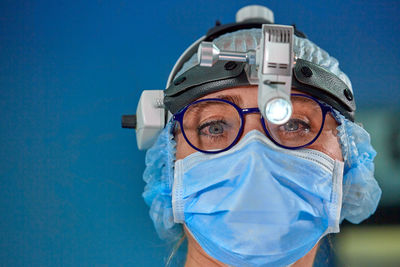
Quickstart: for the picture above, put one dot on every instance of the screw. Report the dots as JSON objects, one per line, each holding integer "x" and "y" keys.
{"x": 230, "y": 65}
{"x": 180, "y": 80}
{"x": 347, "y": 93}
{"x": 307, "y": 72}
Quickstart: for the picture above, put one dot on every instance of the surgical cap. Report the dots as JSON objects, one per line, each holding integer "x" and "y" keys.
{"x": 361, "y": 192}
{"x": 159, "y": 175}
{"x": 245, "y": 40}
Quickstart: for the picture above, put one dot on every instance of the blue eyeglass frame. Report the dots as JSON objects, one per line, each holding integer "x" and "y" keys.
{"x": 180, "y": 114}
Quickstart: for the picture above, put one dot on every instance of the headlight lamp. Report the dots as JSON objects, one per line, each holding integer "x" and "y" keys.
{"x": 278, "y": 111}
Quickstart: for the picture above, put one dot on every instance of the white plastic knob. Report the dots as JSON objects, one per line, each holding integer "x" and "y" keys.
{"x": 255, "y": 12}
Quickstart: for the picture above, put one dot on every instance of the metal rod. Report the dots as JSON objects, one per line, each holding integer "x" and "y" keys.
{"x": 233, "y": 56}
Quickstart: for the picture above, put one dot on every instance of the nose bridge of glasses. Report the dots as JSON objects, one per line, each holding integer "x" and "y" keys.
{"x": 250, "y": 110}
{"x": 251, "y": 122}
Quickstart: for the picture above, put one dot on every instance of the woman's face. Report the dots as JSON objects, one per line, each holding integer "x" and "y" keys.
{"x": 327, "y": 142}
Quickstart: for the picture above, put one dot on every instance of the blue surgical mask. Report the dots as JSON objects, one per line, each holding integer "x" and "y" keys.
{"x": 257, "y": 204}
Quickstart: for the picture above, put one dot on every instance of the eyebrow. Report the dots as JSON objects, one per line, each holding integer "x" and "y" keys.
{"x": 235, "y": 99}
{"x": 314, "y": 105}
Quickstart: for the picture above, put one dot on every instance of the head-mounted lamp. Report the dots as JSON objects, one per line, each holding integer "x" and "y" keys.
{"x": 272, "y": 63}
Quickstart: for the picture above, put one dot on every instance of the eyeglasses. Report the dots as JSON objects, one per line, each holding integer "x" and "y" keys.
{"x": 214, "y": 125}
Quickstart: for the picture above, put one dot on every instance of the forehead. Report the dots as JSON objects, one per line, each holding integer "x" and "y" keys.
{"x": 247, "y": 95}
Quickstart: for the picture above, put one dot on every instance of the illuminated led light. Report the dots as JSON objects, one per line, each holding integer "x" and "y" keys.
{"x": 278, "y": 111}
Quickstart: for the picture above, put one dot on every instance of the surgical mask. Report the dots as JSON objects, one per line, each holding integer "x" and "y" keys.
{"x": 257, "y": 204}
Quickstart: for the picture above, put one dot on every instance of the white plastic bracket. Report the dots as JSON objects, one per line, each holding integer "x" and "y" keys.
{"x": 150, "y": 115}
{"x": 275, "y": 62}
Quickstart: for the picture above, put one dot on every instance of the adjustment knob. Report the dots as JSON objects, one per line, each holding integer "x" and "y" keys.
{"x": 255, "y": 12}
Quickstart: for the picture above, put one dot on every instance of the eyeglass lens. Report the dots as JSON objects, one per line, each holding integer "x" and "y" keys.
{"x": 211, "y": 125}
{"x": 302, "y": 127}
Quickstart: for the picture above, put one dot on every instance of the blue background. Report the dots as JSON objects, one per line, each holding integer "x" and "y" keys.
{"x": 70, "y": 177}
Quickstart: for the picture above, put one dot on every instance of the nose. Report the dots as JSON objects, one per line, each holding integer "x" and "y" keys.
{"x": 251, "y": 122}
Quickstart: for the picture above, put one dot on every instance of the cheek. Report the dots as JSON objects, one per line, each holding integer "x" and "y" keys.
{"x": 328, "y": 143}
{"x": 183, "y": 149}
{"x": 331, "y": 146}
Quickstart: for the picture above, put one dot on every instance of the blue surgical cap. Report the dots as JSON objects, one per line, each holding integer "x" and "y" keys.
{"x": 361, "y": 192}
{"x": 159, "y": 175}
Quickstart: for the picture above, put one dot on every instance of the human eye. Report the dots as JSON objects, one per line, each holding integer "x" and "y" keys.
{"x": 295, "y": 127}
{"x": 214, "y": 128}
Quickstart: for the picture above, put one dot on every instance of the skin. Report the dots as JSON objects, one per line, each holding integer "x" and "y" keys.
{"x": 327, "y": 143}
